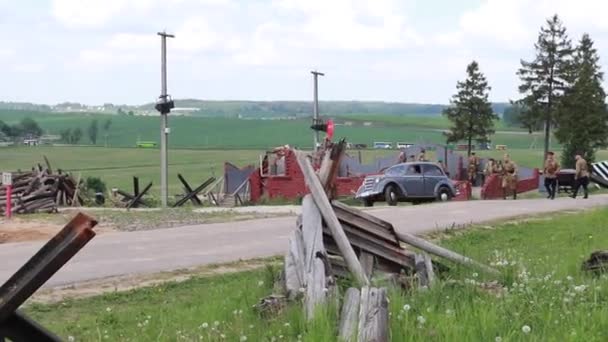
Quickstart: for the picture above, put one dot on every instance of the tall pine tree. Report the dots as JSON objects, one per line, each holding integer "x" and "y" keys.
{"x": 582, "y": 121}
{"x": 545, "y": 79}
{"x": 470, "y": 111}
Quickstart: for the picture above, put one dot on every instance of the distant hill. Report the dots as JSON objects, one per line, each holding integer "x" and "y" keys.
{"x": 259, "y": 109}
{"x": 253, "y": 109}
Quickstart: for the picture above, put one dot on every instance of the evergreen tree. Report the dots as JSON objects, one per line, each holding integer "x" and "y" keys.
{"x": 470, "y": 111}
{"x": 582, "y": 120}
{"x": 93, "y": 130}
{"x": 76, "y": 136}
{"x": 545, "y": 79}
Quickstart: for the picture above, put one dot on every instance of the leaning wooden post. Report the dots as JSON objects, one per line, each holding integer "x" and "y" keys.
{"x": 320, "y": 198}
{"x": 444, "y": 253}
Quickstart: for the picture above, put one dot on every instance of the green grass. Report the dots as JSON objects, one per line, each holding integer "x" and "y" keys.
{"x": 224, "y": 133}
{"x": 545, "y": 290}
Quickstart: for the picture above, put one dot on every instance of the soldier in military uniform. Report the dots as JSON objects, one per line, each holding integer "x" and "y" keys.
{"x": 581, "y": 177}
{"x": 489, "y": 169}
{"x": 422, "y": 155}
{"x": 550, "y": 172}
{"x": 509, "y": 177}
{"x": 472, "y": 169}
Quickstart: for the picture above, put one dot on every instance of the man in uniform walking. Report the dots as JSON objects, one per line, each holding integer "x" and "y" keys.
{"x": 509, "y": 177}
{"x": 489, "y": 169}
{"x": 581, "y": 177}
{"x": 550, "y": 172}
{"x": 472, "y": 169}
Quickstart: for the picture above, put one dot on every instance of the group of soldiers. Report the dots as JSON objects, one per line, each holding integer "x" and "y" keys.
{"x": 505, "y": 167}
{"x": 403, "y": 158}
{"x": 508, "y": 170}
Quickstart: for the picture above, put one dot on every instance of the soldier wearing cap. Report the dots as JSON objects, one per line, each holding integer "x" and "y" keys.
{"x": 509, "y": 177}
{"x": 581, "y": 177}
{"x": 550, "y": 172}
{"x": 422, "y": 155}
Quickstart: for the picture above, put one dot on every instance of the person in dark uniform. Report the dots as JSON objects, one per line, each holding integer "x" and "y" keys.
{"x": 581, "y": 177}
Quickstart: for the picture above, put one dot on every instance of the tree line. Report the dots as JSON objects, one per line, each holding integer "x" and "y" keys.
{"x": 74, "y": 135}
{"x": 561, "y": 93}
{"x": 27, "y": 127}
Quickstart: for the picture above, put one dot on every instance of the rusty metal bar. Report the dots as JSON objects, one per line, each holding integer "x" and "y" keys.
{"x": 20, "y": 328}
{"x": 46, "y": 262}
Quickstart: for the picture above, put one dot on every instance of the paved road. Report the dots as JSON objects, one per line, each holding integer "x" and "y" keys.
{"x": 122, "y": 253}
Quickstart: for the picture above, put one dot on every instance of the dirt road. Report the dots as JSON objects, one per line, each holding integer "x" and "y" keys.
{"x": 120, "y": 253}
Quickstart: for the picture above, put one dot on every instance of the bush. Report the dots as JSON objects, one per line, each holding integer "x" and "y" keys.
{"x": 95, "y": 184}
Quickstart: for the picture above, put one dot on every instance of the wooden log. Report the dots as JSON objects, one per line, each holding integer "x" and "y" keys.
{"x": 349, "y": 315}
{"x": 331, "y": 220}
{"x": 444, "y": 253}
{"x": 373, "y": 315}
{"x": 294, "y": 265}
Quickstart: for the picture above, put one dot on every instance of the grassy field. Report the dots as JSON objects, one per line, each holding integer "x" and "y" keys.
{"x": 226, "y": 133}
{"x": 546, "y": 297}
{"x": 436, "y": 122}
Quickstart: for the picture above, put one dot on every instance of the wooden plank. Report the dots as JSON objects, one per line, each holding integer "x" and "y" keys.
{"x": 315, "y": 287}
{"x": 330, "y": 218}
{"x": 373, "y": 315}
{"x": 294, "y": 265}
{"x": 445, "y": 253}
{"x": 428, "y": 264}
{"x": 423, "y": 279}
{"x": 367, "y": 262}
{"x": 346, "y": 216}
{"x": 387, "y": 225}
{"x": 312, "y": 230}
{"x": 349, "y": 315}
{"x": 76, "y": 190}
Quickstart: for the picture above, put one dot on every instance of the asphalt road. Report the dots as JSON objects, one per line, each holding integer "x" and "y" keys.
{"x": 123, "y": 253}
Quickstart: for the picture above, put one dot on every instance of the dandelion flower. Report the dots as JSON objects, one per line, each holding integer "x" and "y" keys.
{"x": 526, "y": 329}
{"x": 406, "y": 307}
{"x": 261, "y": 283}
{"x": 108, "y": 309}
{"x": 216, "y": 323}
{"x": 286, "y": 324}
{"x": 498, "y": 339}
{"x": 475, "y": 275}
{"x": 569, "y": 278}
{"x": 205, "y": 325}
{"x": 71, "y": 338}
{"x": 421, "y": 319}
{"x": 250, "y": 326}
{"x": 243, "y": 338}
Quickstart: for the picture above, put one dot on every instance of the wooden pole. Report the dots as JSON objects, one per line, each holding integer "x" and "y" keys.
{"x": 444, "y": 253}
{"x": 320, "y": 198}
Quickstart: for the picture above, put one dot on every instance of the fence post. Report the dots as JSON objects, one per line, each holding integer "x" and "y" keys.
{"x": 7, "y": 181}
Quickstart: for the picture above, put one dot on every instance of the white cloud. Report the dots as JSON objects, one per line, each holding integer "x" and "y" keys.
{"x": 94, "y": 13}
{"x": 347, "y": 24}
{"x": 28, "y": 67}
{"x": 100, "y": 58}
{"x": 132, "y": 41}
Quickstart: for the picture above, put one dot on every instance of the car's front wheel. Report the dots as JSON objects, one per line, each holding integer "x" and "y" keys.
{"x": 444, "y": 194}
{"x": 391, "y": 195}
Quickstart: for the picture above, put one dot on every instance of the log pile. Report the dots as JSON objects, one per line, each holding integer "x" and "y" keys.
{"x": 40, "y": 191}
{"x": 334, "y": 240}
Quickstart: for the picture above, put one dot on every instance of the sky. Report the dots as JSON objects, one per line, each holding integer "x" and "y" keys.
{"x": 94, "y": 51}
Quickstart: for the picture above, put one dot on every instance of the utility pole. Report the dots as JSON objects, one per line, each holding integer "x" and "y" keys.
{"x": 315, "y": 110}
{"x": 164, "y": 105}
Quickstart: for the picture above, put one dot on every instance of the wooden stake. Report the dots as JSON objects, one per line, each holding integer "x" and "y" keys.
{"x": 349, "y": 315}
{"x": 331, "y": 220}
